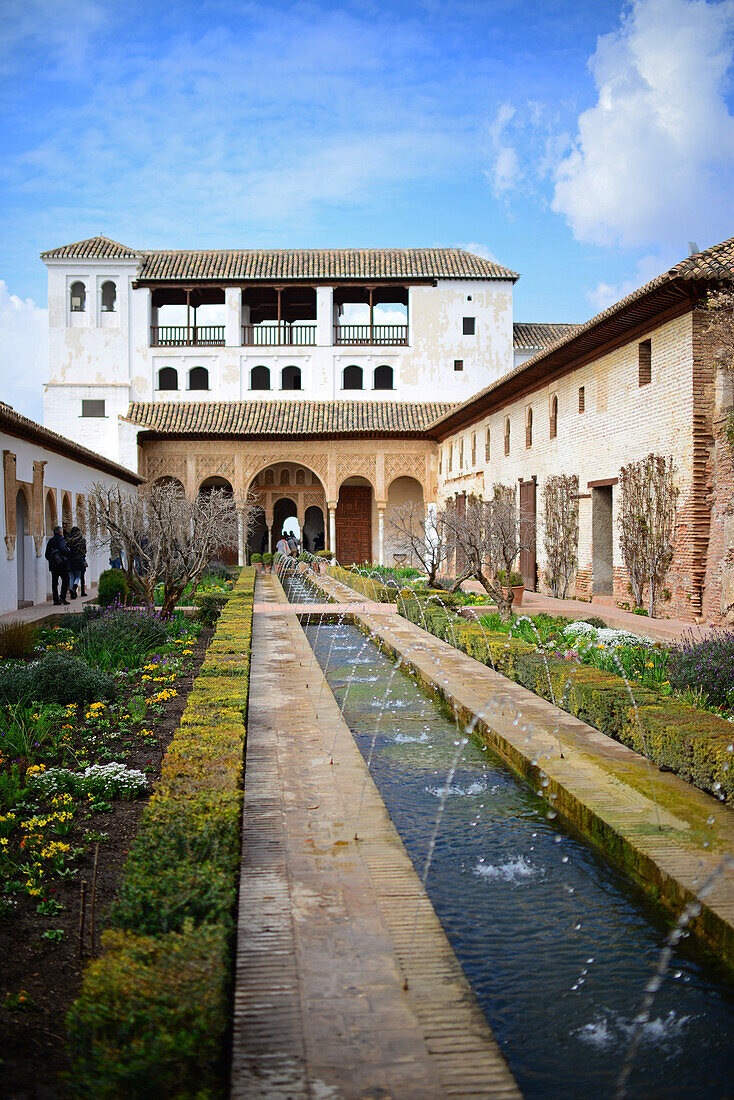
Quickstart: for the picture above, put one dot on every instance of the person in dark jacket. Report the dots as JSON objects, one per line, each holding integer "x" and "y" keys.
{"x": 77, "y": 546}
{"x": 57, "y": 556}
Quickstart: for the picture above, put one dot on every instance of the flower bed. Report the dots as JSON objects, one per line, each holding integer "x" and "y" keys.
{"x": 152, "y": 1015}
{"x": 73, "y": 776}
{"x": 673, "y": 734}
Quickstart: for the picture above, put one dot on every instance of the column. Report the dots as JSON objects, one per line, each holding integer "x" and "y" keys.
{"x": 381, "y": 531}
{"x": 240, "y": 538}
{"x": 232, "y": 319}
{"x": 325, "y": 316}
{"x": 331, "y": 507}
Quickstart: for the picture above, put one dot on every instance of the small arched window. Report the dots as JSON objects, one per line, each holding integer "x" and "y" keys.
{"x": 353, "y": 379}
{"x": 290, "y": 378}
{"x": 77, "y": 297}
{"x": 168, "y": 378}
{"x": 109, "y": 297}
{"x": 529, "y": 428}
{"x": 269, "y": 477}
{"x": 260, "y": 378}
{"x": 383, "y": 378}
{"x": 198, "y": 378}
{"x": 285, "y": 477}
{"x": 507, "y": 435}
{"x": 486, "y": 447}
{"x": 554, "y": 417}
{"x": 300, "y": 477}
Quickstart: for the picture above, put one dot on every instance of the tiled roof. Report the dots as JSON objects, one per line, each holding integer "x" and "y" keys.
{"x": 533, "y": 336}
{"x": 290, "y": 263}
{"x": 322, "y": 263}
{"x": 95, "y": 248}
{"x": 286, "y": 418}
{"x": 24, "y": 428}
{"x": 715, "y": 264}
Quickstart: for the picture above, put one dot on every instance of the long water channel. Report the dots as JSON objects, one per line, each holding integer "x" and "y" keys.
{"x": 557, "y": 943}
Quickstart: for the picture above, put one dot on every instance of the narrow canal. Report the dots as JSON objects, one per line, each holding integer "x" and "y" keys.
{"x": 556, "y": 942}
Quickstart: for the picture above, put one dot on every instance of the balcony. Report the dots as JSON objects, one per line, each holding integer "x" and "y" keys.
{"x": 187, "y": 336}
{"x": 279, "y": 334}
{"x": 371, "y": 334}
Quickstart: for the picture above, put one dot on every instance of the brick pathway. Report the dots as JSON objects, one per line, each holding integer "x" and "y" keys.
{"x": 324, "y": 941}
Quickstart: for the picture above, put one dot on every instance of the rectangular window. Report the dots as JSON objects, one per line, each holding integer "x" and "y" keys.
{"x": 486, "y": 447}
{"x": 458, "y": 364}
{"x": 644, "y": 360}
{"x": 582, "y": 399}
{"x": 474, "y": 449}
{"x": 93, "y": 408}
{"x": 469, "y": 326}
{"x": 461, "y": 454}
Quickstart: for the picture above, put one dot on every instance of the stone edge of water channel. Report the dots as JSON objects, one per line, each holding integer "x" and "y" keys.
{"x": 660, "y": 885}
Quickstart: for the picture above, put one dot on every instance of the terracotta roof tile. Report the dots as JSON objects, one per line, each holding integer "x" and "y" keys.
{"x": 95, "y": 248}
{"x": 535, "y": 335}
{"x": 261, "y": 264}
{"x": 286, "y": 418}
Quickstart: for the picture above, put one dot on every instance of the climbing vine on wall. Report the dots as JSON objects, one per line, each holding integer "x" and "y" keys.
{"x": 647, "y": 524}
{"x": 561, "y": 531}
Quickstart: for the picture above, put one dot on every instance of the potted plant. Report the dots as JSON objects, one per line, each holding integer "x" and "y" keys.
{"x": 517, "y": 584}
{"x": 257, "y": 561}
{"x": 268, "y": 562}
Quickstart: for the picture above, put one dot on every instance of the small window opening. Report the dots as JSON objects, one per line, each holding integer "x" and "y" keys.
{"x": 260, "y": 378}
{"x": 461, "y": 454}
{"x": 198, "y": 378}
{"x": 507, "y": 436}
{"x": 644, "y": 355}
{"x": 474, "y": 449}
{"x": 92, "y": 408}
{"x": 458, "y": 364}
{"x": 469, "y": 326}
{"x": 384, "y": 377}
{"x": 554, "y": 417}
{"x": 290, "y": 378}
{"x": 77, "y": 298}
{"x": 582, "y": 399}
{"x": 168, "y": 378}
{"x": 109, "y": 297}
{"x": 486, "y": 446}
{"x": 529, "y": 428}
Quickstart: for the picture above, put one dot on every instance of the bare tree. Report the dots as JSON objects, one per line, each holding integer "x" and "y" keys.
{"x": 647, "y": 524}
{"x": 165, "y": 538}
{"x": 487, "y": 535}
{"x": 420, "y": 534}
{"x": 561, "y": 531}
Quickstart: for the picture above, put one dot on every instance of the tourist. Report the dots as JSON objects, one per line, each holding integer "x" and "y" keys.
{"x": 77, "y": 546}
{"x": 292, "y": 545}
{"x": 57, "y": 556}
{"x": 281, "y": 547}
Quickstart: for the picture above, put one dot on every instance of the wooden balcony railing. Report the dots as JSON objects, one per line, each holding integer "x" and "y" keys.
{"x": 276, "y": 335}
{"x": 370, "y": 334}
{"x": 184, "y": 336}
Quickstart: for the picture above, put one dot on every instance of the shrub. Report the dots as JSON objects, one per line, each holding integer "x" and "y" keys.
{"x": 54, "y": 678}
{"x": 210, "y": 606}
{"x": 256, "y": 558}
{"x": 218, "y": 571}
{"x": 111, "y": 780}
{"x": 150, "y": 1018}
{"x": 121, "y": 637}
{"x": 705, "y": 664}
{"x": 112, "y": 587}
{"x": 325, "y": 554}
{"x": 17, "y": 639}
{"x": 268, "y": 559}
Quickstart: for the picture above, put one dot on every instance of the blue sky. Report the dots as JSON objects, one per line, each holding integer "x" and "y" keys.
{"x": 581, "y": 144}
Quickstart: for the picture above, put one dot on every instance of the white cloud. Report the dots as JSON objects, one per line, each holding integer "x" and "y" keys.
{"x": 23, "y": 353}
{"x": 479, "y": 250}
{"x": 653, "y": 160}
{"x": 606, "y": 294}
{"x": 505, "y": 172}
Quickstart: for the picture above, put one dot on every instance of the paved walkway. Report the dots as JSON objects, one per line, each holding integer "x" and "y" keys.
{"x": 325, "y": 935}
{"x": 44, "y": 610}
{"x": 610, "y": 792}
{"x": 659, "y": 630}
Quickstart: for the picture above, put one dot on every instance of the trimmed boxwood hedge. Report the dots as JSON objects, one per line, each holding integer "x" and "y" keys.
{"x": 691, "y": 742}
{"x": 151, "y": 1018}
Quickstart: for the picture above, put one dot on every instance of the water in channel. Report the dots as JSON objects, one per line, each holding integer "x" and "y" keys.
{"x": 556, "y": 942}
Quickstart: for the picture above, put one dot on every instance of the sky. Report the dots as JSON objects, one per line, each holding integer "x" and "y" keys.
{"x": 582, "y": 144}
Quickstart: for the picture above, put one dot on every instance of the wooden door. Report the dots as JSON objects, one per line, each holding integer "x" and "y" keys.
{"x": 528, "y": 564}
{"x": 354, "y": 524}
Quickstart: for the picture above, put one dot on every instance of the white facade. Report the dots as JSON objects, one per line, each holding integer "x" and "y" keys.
{"x": 112, "y": 356}
{"x": 39, "y": 488}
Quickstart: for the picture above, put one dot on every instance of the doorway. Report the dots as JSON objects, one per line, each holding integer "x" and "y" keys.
{"x": 354, "y": 525}
{"x": 528, "y": 555}
{"x": 602, "y": 541}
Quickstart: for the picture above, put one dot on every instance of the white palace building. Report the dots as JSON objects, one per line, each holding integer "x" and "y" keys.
{"x": 339, "y": 384}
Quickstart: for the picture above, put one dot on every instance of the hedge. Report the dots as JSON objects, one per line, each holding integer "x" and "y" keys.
{"x": 152, "y": 1015}
{"x": 693, "y": 743}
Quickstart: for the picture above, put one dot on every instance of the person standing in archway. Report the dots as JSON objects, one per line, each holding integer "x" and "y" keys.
{"x": 282, "y": 546}
{"x": 57, "y": 556}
